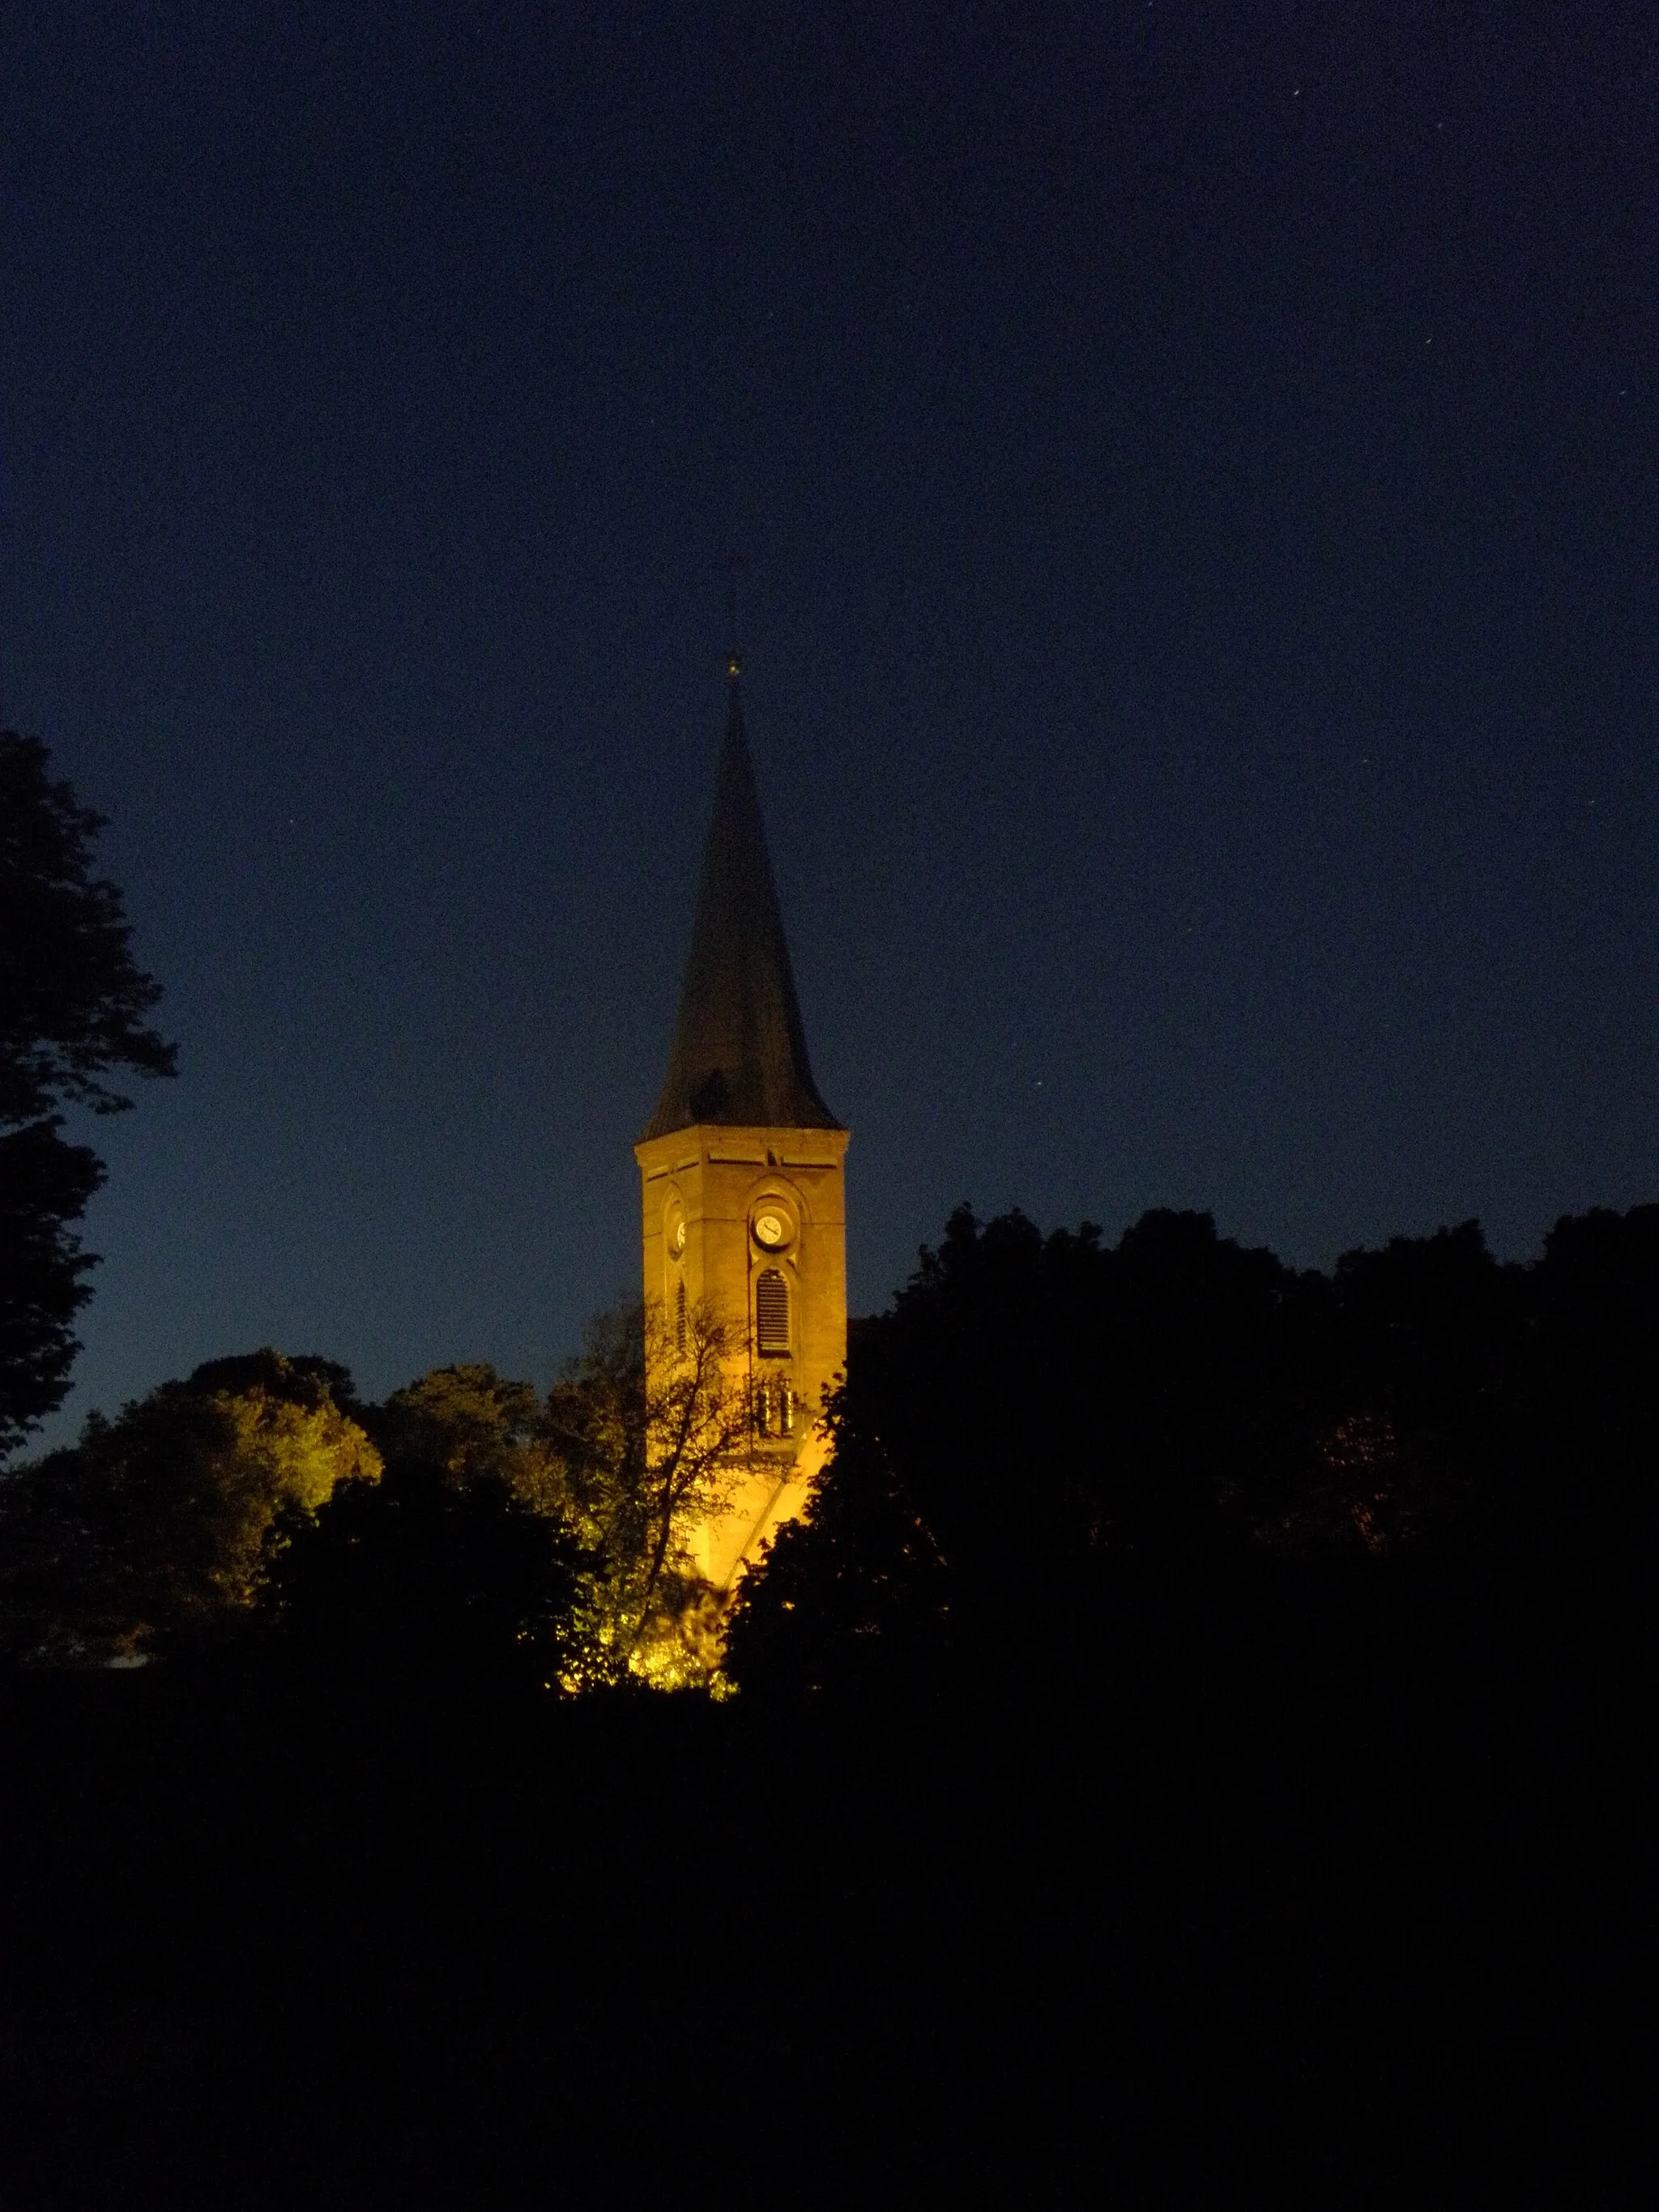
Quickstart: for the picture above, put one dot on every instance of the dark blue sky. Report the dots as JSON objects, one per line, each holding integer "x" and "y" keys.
{"x": 1199, "y": 468}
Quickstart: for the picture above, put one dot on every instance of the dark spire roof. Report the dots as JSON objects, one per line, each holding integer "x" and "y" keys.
{"x": 740, "y": 1055}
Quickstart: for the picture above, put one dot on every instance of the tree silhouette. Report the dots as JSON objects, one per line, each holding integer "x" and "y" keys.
{"x": 425, "y": 1578}
{"x": 45, "y": 1185}
{"x": 1420, "y": 1338}
{"x": 1031, "y": 1407}
{"x": 73, "y": 1005}
{"x": 1584, "y": 1392}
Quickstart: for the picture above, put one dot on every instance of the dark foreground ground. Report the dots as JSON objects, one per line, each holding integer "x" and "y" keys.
{"x": 1332, "y": 1895}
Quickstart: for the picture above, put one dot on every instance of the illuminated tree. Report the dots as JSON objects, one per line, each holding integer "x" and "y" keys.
{"x": 469, "y": 1421}
{"x": 73, "y": 1005}
{"x": 646, "y": 1431}
{"x": 163, "y": 1518}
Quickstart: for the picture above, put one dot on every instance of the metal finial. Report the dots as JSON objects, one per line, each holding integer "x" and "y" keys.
{"x": 733, "y": 564}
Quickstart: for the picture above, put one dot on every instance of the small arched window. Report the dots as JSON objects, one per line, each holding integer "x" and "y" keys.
{"x": 679, "y": 1314}
{"x": 771, "y": 1311}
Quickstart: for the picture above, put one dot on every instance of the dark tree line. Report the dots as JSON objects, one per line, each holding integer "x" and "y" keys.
{"x": 1037, "y": 1415}
{"x": 1036, "y": 1419}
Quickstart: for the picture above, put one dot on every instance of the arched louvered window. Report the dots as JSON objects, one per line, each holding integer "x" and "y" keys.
{"x": 679, "y": 1314}
{"x": 771, "y": 1312}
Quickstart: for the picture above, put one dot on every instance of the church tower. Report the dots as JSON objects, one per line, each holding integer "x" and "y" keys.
{"x": 741, "y": 1171}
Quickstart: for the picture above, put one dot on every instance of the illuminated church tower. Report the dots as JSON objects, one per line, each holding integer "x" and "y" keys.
{"x": 741, "y": 1170}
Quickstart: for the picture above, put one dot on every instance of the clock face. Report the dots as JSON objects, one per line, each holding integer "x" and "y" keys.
{"x": 678, "y": 1240}
{"x": 769, "y": 1229}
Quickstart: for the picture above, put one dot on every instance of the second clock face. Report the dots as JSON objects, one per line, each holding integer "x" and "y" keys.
{"x": 771, "y": 1230}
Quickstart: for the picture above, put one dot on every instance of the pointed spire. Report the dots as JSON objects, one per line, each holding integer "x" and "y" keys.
{"x": 740, "y": 1055}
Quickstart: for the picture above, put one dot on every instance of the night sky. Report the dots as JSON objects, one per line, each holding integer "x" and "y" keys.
{"x": 1198, "y": 469}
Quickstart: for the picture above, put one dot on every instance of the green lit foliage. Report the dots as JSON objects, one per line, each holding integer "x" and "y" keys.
{"x": 644, "y": 1433}
{"x": 468, "y": 1421}
{"x": 163, "y": 1518}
